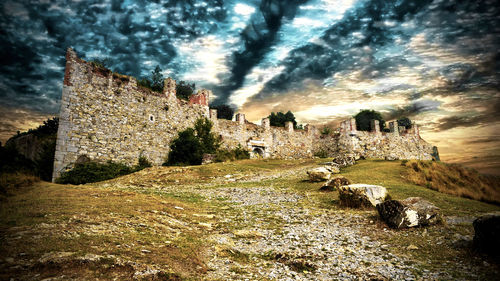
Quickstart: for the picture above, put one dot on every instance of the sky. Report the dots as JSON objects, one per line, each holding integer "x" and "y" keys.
{"x": 436, "y": 62}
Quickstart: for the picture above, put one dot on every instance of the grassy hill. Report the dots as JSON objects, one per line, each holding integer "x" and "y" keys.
{"x": 253, "y": 219}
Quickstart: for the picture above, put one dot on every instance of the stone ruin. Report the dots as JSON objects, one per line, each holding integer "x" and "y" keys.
{"x": 107, "y": 116}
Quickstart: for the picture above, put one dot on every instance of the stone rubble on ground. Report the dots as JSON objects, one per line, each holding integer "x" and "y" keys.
{"x": 411, "y": 212}
{"x": 334, "y": 183}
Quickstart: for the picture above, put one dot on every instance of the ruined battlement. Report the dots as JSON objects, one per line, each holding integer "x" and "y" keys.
{"x": 108, "y": 116}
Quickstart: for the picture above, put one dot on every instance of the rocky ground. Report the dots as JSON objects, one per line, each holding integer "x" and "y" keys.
{"x": 257, "y": 225}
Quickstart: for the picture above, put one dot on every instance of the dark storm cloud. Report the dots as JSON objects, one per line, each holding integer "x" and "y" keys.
{"x": 466, "y": 27}
{"x": 413, "y": 109}
{"x": 258, "y": 37}
{"x": 345, "y": 44}
{"x": 34, "y": 37}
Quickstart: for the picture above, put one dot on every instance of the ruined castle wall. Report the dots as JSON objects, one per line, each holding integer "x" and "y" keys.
{"x": 280, "y": 143}
{"x": 105, "y": 116}
{"x": 374, "y": 145}
{"x": 291, "y": 145}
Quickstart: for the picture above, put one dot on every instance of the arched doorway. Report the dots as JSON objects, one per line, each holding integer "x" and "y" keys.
{"x": 258, "y": 152}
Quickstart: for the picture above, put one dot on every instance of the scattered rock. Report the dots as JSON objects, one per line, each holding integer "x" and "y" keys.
{"x": 207, "y": 158}
{"x": 344, "y": 161}
{"x": 55, "y": 256}
{"x": 319, "y": 174}
{"x": 411, "y": 212}
{"x": 178, "y": 208}
{"x": 334, "y": 183}
{"x": 362, "y": 195}
{"x": 412, "y": 247}
{"x": 333, "y": 168}
{"x": 243, "y": 233}
{"x": 486, "y": 234}
{"x": 391, "y": 157}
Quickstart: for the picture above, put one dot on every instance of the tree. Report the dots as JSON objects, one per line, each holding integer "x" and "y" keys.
{"x": 184, "y": 90}
{"x": 364, "y": 118}
{"x": 279, "y": 119}
{"x": 185, "y": 149}
{"x": 224, "y": 111}
{"x": 405, "y": 121}
{"x": 208, "y": 141}
{"x": 101, "y": 62}
{"x": 157, "y": 79}
{"x": 190, "y": 145}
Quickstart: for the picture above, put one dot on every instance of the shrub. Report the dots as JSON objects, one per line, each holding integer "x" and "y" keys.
{"x": 142, "y": 164}
{"x": 238, "y": 153}
{"x": 93, "y": 172}
{"x": 321, "y": 153}
{"x": 241, "y": 153}
{"x": 326, "y": 131}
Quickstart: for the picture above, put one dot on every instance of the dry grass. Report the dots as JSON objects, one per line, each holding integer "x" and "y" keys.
{"x": 453, "y": 179}
{"x": 9, "y": 182}
{"x": 146, "y": 230}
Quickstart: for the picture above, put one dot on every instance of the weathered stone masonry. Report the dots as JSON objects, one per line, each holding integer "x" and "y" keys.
{"x": 107, "y": 116}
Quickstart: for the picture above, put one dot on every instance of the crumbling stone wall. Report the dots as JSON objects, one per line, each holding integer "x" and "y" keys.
{"x": 107, "y": 116}
{"x": 396, "y": 144}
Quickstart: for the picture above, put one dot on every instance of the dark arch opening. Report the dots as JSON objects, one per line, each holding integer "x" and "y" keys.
{"x": 258, "y": 151}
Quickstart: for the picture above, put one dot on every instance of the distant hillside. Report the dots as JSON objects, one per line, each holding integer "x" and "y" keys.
{"x": 454, "y": 179}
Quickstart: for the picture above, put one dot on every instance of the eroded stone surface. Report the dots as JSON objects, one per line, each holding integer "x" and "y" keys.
{"x": 362, "y": 195}
{"x": 319, "y": 174}
{"x": 411, "y": 212}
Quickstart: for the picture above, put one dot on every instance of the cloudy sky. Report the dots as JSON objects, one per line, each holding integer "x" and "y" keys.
{"x": 436, "y": 62}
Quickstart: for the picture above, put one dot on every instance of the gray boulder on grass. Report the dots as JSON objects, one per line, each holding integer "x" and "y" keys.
{"x": 487, "y": 234}
{"x": 362, "y": 195}
{"x": 319, "y": 174}
{"x": 411, "y": 212}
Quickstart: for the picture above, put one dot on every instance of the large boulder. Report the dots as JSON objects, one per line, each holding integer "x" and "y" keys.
{"x": 487, "y": 234}
{"x": 362, "y": 195}
{"x": 411, "y": 212}
{"x": 335, "y": 182}
{"x": 319, "y": 174}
